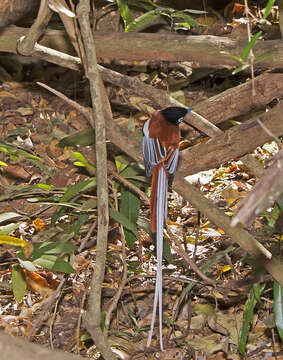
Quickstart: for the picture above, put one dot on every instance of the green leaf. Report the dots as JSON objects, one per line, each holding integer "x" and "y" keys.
{"x": 122, "y": 219}
{"x": 18, "y": 282}
{"x": 124, "y": 12}
{"x": 187, "y": 18}
{"x": 79, "y": 156}
{"x": 45, "y": 186}
{"x": 167, "y": 251}
{"x": 278, "y": 307}
{"x": 83, "y": 138}
{"x": 143, "y": 21}
{"x": 250, "y": 45}
{"x": 72, "y": 190}
{"x": 268, "y": 8}
{"x": 248, "y": 315}
{"x": 54, "y": 263}
{"x": 2, "y": 163}
{"x": 8, "y": 229}
{"x": 130, "y": 206}
{"x": 14, "y": 153}
{"x": 76, "y": 226}
{"x": 52, "y": 248}
{"x": 240, "y": 68}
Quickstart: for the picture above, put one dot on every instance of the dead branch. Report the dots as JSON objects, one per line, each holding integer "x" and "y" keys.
{"x": 267, "y": 190}
{"x": 235, "y": 142}
{"x": 200, "y": 51}
{"x": 93, "y": 318}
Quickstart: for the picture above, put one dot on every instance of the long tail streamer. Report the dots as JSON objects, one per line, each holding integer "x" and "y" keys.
{"x": 161, "y": 211}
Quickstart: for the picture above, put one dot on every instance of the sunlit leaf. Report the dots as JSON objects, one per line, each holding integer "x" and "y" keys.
{"x": 18, "y": 282}
{"x": 44, "y": 186}
{"x": 250, "y": 45}
{"x": 268, "y": 8}
{"x": 143, "y": 21}
{"x": 11, "y": 240}
{"x": 124, "y": 12}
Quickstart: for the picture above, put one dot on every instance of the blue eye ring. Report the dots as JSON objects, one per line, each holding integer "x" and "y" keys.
{"x": 182, "y": 118}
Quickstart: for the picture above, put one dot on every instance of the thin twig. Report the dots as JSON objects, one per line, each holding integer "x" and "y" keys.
{"x": 192, "y": 265}
{"x": 127, "y": 183}
{"x": 80, "y": 321}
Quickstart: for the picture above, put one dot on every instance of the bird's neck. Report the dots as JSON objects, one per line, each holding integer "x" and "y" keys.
{"x": 167, "y": 133}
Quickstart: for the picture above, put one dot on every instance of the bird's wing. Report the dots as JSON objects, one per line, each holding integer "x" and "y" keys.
{"x": 148, "y": 149}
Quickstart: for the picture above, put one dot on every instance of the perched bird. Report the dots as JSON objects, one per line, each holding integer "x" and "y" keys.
{"x": 160, "y": 148}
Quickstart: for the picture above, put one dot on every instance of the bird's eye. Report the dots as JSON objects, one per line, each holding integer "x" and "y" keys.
{"x": 180, "y": 119}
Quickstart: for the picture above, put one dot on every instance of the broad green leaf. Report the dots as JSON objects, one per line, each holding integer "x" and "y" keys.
{"x": 11, "y": 240}
{"x": 248, "y": 315}
{"x": 143, "y": 21}
{"x": 124, "y": 12}
{"x": 18, "y": 282}
{"x": 130, "y": 206}
{"x": 72, "y": 190}
{"x": 249, "y": 46}
{"x": 83, "y": 138}
{"x": 52, "y": 248}
{"x": 122, "y": 219}
{"x": 278, "y": 307}
{"x": 268, "y": 8}
{"x": 54, "y": 263}
{"x": 2, "y": 163}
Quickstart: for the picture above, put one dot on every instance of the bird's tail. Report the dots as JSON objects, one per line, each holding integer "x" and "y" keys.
{"x": 159, "y": 208}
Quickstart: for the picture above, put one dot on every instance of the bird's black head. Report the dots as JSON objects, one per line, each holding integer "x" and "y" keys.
{"x": 175, "y": 114}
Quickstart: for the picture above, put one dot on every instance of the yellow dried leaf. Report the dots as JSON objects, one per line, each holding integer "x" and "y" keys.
{"x": 14, "y": 241}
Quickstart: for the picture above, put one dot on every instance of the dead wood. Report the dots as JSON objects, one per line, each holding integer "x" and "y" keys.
{"x": 13, "y": 347}
{"x": 236, "y": 142}
{"x": 93, "y": 316}
{"x": 200, "y": 51}
{"x": 267, "y": 190}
